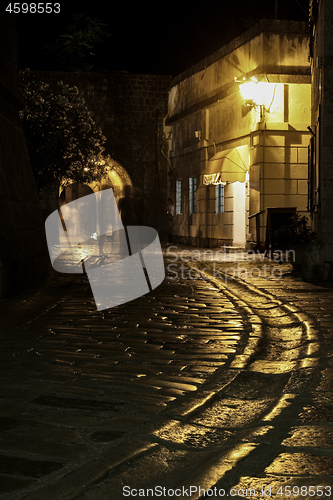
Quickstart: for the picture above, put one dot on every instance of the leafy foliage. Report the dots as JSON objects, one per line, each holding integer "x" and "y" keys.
{"x": 296, "y": 232}
{"x": 64, "y": 142}
{"x": 73, "y": 49}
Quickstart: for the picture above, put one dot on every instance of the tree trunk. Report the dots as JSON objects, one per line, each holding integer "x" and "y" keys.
{"x": 50, "y": 199}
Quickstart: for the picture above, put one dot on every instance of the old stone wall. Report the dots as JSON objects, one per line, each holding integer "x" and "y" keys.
{"x": 324, "y": 73}
{"x": 318, "y": 263}
{"x": 130, "y": 110}
{"x": 23, "y": 252}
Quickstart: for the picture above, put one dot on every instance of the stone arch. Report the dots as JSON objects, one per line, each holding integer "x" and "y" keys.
{"x": 78, "y": 223}
{"x": 73, "y": 192}
{"x": 116, "y": 178}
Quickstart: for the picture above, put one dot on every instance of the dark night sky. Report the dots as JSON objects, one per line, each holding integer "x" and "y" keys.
{"x": 160, "y": 38}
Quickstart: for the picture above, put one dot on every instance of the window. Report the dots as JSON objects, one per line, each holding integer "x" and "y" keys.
{"x": 219, "y": 198}
{"x": 193, "y": 195}
{"x": 179, "y": 197}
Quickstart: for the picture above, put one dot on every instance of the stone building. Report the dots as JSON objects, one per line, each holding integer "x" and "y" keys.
{"x": 320, "y": 257}
{"x": 238, "y": 135}
{"x": 24, "y": 257}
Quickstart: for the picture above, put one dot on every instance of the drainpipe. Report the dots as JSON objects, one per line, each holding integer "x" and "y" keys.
{"x": 262, "y": 126}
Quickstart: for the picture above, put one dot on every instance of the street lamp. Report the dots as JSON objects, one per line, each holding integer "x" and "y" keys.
{"x": 258, "y": 95}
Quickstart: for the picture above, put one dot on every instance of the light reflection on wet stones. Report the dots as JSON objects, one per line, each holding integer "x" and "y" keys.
{"x": 317, "y": 413}
{"x": 273, "y": 367}
{"x": 140, "y": 356}
{"x": 194, "y": 436}
{"x": 300, "y": 464}
{"x": 252, "y": 385}
{"x": 232, "y": 412}
{"x": 310, "y": 436}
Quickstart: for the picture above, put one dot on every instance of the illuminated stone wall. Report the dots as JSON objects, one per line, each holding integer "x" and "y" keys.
{"x": 130, "y": 110}
{"x": 23, "y": 253}
{"x": 206, "y": 114}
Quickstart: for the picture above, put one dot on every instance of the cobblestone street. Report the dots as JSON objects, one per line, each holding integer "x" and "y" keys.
{"x": 205, "y": 384}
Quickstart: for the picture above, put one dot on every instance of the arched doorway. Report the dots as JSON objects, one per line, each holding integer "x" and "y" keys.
{"x": 116, "y": 178}
{"x": 73, "y": 192}
{"x": 79, "y": 224}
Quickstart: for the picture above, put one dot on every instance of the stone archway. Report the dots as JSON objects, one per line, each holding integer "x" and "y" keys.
{"x": 78, "y": 223}
{"x": 73, "y": 192}
{"x": 116, "y": 178}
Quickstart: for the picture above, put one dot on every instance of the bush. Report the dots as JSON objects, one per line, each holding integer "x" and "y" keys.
{"x": 296, "y": 232}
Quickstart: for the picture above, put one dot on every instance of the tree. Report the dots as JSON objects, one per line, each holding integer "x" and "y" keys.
{"x": 74, "y": 49}
{"x": 64, "y": 142}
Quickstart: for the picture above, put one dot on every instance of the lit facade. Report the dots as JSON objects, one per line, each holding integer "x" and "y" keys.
{"x": 238, "y": 134}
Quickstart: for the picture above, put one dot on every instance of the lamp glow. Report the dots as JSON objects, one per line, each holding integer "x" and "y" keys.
{"x": 257, "y": 93}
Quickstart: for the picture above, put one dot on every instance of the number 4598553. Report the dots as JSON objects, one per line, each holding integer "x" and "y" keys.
{"x": 33, "y": 8}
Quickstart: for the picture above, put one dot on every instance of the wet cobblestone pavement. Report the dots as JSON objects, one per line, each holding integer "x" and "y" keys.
{"x": 201, "y": 383}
